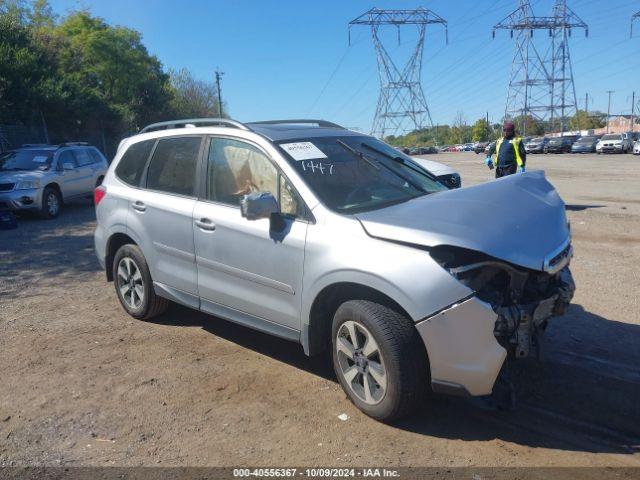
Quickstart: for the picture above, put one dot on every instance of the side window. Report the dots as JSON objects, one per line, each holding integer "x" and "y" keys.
{"x": 173, "y": 166}
{"x": 237, "y": 168}
{"x": 289, "y": 201}
{"x": 132, "y": 163}
{"x": 95, "y": 155}
{"x": 66, "y": 157}
{"x": 82, "y": 157}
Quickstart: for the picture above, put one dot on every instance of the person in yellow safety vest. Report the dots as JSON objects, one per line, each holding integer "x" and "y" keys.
{"x": 510, "y": 155}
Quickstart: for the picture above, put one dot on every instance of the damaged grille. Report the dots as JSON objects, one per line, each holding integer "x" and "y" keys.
{"x": 524, "y": 300}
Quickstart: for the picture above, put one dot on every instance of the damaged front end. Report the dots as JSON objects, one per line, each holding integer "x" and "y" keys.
{"x": 524, "y": 300}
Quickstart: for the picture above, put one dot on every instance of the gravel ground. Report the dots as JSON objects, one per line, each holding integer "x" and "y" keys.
{"x": 84, "y": 384}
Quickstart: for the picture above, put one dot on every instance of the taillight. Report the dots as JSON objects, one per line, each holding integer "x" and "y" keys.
{"x": 98, "y": 194}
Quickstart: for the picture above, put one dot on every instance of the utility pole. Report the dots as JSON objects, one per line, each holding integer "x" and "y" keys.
{"x": 586, "y": 108}
{"x": 218, "y": 75}
{"x": 402, "y": 105}
{"x": 488, "y": 128}
{"x": 609, "y": 108}
{"x": 633, "y": 111}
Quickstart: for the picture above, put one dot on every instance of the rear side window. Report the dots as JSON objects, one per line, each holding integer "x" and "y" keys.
{"x": 82, "y": 157}
{"x": 97, "y": 158}
{"x": 132, "y": 163}
{"x": 173, "y": 166}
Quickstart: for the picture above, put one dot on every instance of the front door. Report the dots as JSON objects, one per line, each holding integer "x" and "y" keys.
{"x": 70, "y": 176}
{"x": 244, "y": 265}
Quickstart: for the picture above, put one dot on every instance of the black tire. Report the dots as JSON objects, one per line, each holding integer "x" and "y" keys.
{"x": 151, "y": 305}
{"x": 402, "y": 354}
{"x": 51, "y": 203}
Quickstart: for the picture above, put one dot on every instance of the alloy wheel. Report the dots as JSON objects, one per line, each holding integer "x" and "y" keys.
{"x": 361, "y": 362}
{"x": 130, "y": 284}
{"x": 53, "y": 204}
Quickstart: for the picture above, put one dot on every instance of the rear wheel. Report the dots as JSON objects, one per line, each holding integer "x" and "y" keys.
{"x": 379, "y": 359}
{"x": 51, "y": 203}
{"x": 134, "y": 287}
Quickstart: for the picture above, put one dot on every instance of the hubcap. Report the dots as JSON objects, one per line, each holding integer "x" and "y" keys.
{"x": 361, "y": 362}
{"x": 130, "y": 283}
{"x": 52, "y": 204}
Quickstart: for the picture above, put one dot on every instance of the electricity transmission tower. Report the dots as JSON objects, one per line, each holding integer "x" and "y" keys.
{"x": 541, "y": 85}
{"x": 402, "y": 106}
{"x": 634, "y": 17}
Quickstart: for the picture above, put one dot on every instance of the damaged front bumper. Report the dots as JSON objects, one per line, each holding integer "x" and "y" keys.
{"x": 518, "y": 327}
{"x": 468, "y": 342}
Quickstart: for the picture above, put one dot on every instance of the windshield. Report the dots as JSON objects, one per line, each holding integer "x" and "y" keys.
{"x": 586, "y": 140}
{"x": 538, "y": 140}
{"x": 26, "y": 160}
{"x": 612, "y": 137}
{"x": 354, "y": 174}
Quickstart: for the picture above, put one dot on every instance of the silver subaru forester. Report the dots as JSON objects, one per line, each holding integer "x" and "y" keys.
{"x": 335, "y": 240}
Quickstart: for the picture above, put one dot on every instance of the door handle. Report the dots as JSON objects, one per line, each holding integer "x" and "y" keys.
{"x": 205, "y": 224}
{"x": 139, "y": 206}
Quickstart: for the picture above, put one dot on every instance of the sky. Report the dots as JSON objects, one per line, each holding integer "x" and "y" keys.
{"x": 292, "y": 59}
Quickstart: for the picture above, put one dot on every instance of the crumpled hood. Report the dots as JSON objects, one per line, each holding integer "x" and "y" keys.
{"x": 520, "y": 219}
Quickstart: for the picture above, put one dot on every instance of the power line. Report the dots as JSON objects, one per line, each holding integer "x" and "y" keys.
{"x": 402, "y": 105}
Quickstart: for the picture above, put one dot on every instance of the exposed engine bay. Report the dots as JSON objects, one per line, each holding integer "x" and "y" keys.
{"x": 524, "y": 299}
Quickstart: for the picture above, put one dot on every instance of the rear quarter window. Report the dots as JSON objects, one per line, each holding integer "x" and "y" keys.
{"x": 173, "y": 166}
{"x": 131, "y": 165}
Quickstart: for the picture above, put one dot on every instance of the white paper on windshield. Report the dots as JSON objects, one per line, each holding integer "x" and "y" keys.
{"x": 40, "y": 159}
{"x": 303, "y": 151}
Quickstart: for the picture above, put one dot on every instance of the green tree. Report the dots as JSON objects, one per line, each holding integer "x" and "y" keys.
{"x": 480, "y": 131}
{"x": 193, "y": 98}
{"x": 582, "y": 120}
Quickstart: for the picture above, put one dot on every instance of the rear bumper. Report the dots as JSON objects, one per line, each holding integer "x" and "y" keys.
{"x": 21, "y": 199}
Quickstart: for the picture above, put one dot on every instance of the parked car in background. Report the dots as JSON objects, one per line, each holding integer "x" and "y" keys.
{"x": 41, "y": 178}
{"x": 614, "y": 143}
{"x": 585, "y": 145}
{"x": 480, "y": 147}
{"x": 445, "y": 173}
{"x": 489, "y": 146}
{"x": 636, "y": 148}
{"x": 331, "y": 239}
{"x": 560, "y": 144}
{"x": 428, "y": 150}
{"x": 536, "y": 145}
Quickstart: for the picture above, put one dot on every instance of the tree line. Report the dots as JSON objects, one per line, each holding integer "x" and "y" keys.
{"x": 481, "y": 130}
{"x": 85, "y": 80}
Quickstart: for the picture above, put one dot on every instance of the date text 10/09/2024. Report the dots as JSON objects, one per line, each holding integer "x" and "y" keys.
{"x": 316, "y": 472}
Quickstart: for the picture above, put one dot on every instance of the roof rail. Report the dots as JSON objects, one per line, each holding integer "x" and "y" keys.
{"x": 320, "y": 123}
{"x": 193, "y": 122}
{"x": 73, "y": 144}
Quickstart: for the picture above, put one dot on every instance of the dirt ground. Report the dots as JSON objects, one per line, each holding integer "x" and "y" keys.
{"x": 81, "y": 383}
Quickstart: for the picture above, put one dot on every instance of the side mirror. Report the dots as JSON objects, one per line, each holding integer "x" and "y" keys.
{"x": 258, "y": 205}
{"x": 67, "y": 166}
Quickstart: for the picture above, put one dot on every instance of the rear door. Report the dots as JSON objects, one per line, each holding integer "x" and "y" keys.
{"x": 244, "y": 265}
{"x": 161, "y": 213}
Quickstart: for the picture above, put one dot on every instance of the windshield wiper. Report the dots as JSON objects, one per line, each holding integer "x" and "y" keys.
{"x": 397, "y": 174}
{"x": 358, "y": 154}
{"x": 402, "y": 161}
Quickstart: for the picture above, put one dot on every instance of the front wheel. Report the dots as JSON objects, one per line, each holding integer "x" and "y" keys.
{"x": 379, "y": 359}
{"x": 134, "y": 286}
{"x": 51, "y": 203}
